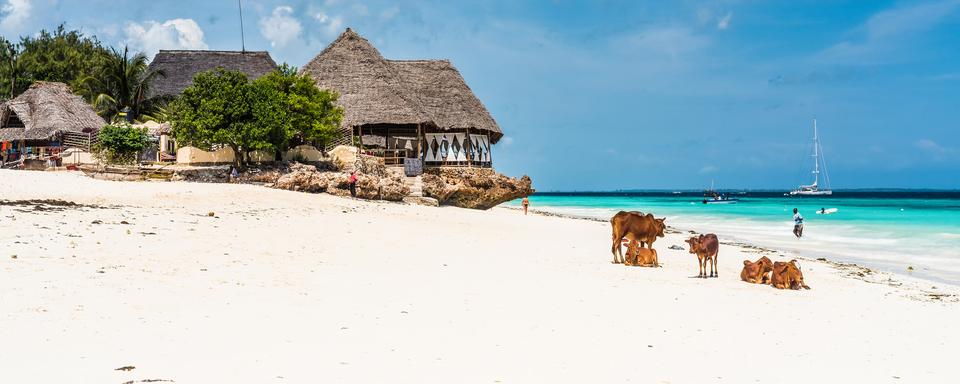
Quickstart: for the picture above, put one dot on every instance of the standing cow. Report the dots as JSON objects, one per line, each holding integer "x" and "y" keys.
{"x": 634, "y": 226}
{"x": 706, "y": 248}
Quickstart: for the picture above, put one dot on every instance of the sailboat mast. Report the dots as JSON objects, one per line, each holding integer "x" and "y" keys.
{"x": 816, "y": 155}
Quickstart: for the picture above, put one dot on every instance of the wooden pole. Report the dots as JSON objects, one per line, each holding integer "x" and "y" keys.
{"x": 419, "y": 142}
{"x": 360, "y": 139}
{"x": 469, "y": 154}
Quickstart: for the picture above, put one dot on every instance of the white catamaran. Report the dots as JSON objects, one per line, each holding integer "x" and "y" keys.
{"x": 814, "y": 188}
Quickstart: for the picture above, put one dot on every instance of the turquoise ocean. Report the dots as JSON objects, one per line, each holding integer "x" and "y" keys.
{"x": 884, "y": 230}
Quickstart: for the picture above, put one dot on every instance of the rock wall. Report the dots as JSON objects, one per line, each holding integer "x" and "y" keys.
{"x": 203, "y": 174}
{"x": 307, "y": 178}
{"x": 476, "y": 188}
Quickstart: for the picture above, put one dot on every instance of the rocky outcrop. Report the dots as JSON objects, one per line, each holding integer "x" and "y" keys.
{"x": 476, "y": 188}
{"x": 307, "y": 178}
{"x": 220, "y": 174}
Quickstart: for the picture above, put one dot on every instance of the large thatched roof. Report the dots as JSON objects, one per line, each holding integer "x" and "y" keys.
{"x": 180, "y": 66}
{"x": 45, "y": 109}
{"x": 445, "y": 96}
{"x": 370, "y": 91}
{"x": 374, "y": 90}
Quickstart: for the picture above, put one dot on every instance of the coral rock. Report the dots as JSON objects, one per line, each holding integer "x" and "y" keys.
{"x": 477, "y": 188}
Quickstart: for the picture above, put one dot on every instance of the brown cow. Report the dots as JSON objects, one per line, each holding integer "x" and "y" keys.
{"x": 787, "y": 276}
{"x": 706, "y": 247}
{"x": 634, "y": 226}
{"x": 641, "y": 257}
{"x": 757, "y": 272}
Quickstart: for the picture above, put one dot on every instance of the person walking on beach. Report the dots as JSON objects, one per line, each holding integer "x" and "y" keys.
{"x": 797, "y": 224}
{"x": 526, "y": 204}
{"x": 353, "y": 183}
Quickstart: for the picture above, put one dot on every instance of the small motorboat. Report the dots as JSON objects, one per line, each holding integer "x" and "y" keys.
{"x": 711, "y": 196}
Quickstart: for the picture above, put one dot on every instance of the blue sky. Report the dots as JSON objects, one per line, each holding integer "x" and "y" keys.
{"x": 600, "y": 95}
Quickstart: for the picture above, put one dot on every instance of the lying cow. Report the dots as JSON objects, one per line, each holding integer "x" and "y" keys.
{"x": 634, "y": 226}
{"x": 757, "y": 272}
{"x": 787, "y": 276}
{"x": 706, "y": 248}
{"x": 638, "y": 256}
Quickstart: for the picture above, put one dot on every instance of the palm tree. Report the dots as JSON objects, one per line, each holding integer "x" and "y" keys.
{"x": 123, "y": 85}
{"x": 10, "y": 57}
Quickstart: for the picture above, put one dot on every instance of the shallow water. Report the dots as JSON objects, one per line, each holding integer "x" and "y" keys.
{"x": 885, "y": 230}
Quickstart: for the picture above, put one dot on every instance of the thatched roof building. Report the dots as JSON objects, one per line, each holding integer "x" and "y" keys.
{"x": 445, "y": 96}
{"x": 180, "y": 66}
{"x": 45, "y": 111}
{"x": 403, "y": 105}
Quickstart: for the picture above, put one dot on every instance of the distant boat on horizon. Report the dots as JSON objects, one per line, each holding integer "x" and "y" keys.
{"x": 813, "y": 189}
{"x": 711, "y": 196}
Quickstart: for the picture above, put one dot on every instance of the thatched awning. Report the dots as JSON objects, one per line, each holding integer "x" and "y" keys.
{"x": 374, "y": 90}
{"x": 46, "y": 109}
{"x": 180, "y": 67}
{"x": 12, "y": 134}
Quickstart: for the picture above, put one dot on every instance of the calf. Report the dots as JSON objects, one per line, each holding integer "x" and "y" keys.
{"x": 706, "y": 247}
{"x": 757, "y": 272}
{"x": 637, "y": 256}
{"x": 787, "y": 276}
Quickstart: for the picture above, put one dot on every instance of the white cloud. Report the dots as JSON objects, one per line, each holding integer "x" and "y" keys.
{"x": 887, "y": 30}
{"x": 907, "y": 19}
{"x": 152, "y": 36}
{"x": 280, "y": 28}
{"x": 389, "y": 13}
{"x": 708, "y": 169}
{"x": 724, "y": 21}
{"x": 361, "y": 9}
{"x": 506, "y": 141}
{"x": 330, "y": 25}
{"x": 14, "y": 13}
{"x": 668, "y": 41}
{"x": 935, "y": 150}
{"x": 929, "y": 145}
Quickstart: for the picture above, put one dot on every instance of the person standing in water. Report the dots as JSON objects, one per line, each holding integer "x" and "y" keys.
{"x": 797, "y": 224}
{"x": 526, "y": 204}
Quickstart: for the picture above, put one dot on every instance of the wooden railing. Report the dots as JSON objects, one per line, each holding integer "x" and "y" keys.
{"x": 390, "y": 156}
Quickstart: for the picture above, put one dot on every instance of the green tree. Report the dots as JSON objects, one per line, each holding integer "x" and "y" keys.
{"x": 123, "y": 82}
{"x": 64, "y": 56}
{"x": 11, "y": 70}
{"x": 313, "y": 114}
{"x": 223, "y": 108}
{"x": 120, "y": 143}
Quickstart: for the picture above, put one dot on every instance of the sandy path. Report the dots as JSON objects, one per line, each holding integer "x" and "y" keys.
{"x": 292, "y": 288}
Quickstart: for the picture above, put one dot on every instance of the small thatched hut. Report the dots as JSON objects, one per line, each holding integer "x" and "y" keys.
{"x": 38, "y": 122}
{"x": 180, "y": 66}
{"x": 405, "y": 109}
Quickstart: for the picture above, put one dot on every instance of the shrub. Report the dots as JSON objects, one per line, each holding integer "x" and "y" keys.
{"x": 120, "y": 143}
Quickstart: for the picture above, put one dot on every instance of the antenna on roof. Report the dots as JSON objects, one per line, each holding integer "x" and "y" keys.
{"x": 243, "y": 44}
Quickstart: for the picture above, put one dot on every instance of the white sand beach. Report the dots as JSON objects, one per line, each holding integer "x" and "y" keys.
{"x": 287, "y": 287}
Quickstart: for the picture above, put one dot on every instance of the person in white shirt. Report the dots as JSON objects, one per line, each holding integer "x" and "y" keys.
{"x": 797, "y": 224}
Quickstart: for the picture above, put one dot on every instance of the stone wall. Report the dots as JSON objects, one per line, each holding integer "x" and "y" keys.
{"x": 77, "y": 156}
{"x": 196, "y": 156}
{"x": 304, "y": 154}
{"x": 193, "y": 155}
